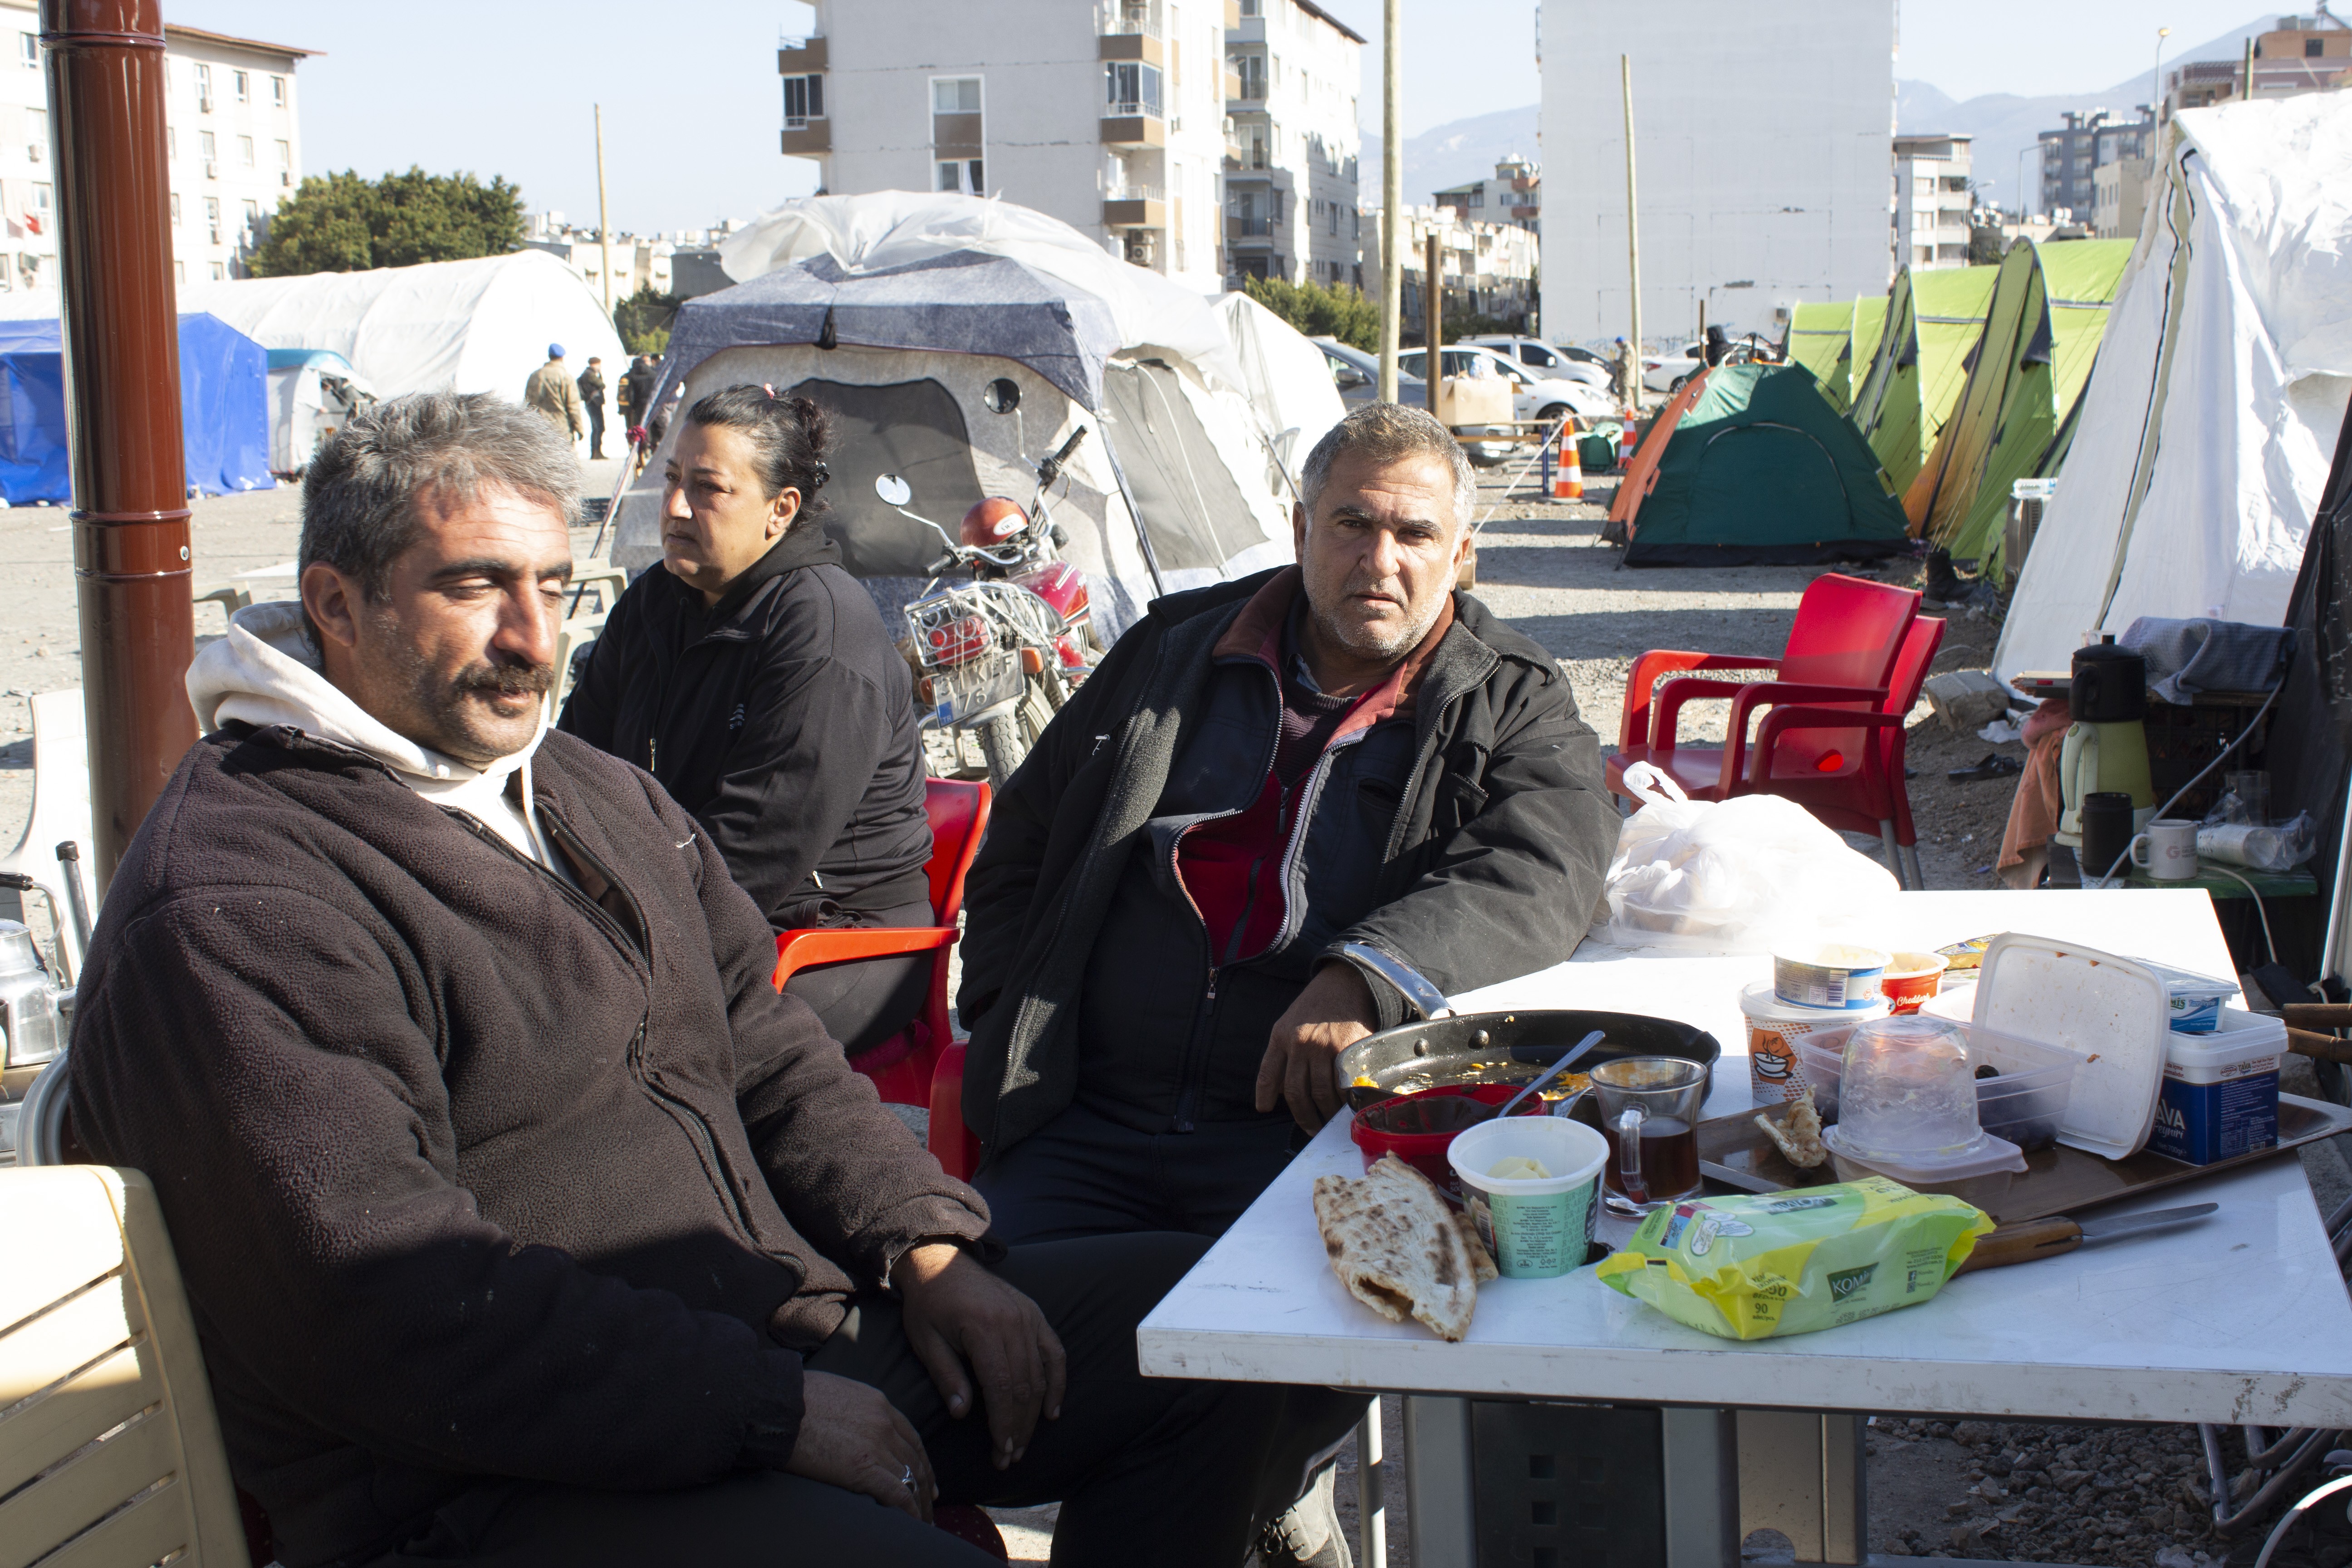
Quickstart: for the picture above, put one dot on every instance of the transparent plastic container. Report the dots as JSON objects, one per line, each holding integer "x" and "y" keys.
{"x": 2024, "y": 1101}
{"x": 1906, "y": 1091}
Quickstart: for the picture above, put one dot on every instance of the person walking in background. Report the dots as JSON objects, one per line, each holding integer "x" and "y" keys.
{"x": 592, "y": 394}
{"x": 625, "y": 396}
{"x": 551, "y": 392}
{"x": 640, "y": 384}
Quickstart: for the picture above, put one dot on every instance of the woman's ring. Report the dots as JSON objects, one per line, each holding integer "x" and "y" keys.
{"x": 907, "y": 1477}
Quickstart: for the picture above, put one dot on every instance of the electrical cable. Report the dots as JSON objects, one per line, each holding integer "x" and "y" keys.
{"x": 2251, "y": 725}
{"x": 2279, "y": 1532}
{"x": 2260, "y": 913}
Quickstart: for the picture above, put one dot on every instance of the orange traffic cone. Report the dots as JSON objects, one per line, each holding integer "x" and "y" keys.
{"x": 1568, "y": 479}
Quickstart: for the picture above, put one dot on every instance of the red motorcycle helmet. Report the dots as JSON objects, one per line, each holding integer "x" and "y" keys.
{"x": 991, "y": 523}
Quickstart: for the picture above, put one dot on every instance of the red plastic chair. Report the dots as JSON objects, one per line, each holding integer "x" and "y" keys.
{"x": 901, "y": 1067}
{"x": 1873, "y": 799}
{"x": 1840, "y": 664}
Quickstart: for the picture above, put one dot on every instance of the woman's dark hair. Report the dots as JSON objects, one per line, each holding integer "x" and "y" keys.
{"x": 789, "y": 436}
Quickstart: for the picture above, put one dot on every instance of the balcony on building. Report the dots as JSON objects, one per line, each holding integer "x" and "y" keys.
{"x": 1126, "y": 31}
{"x": 1255, "y": 229}
{"x": 800, "y": 56}
{"x": 1135, "y": 207}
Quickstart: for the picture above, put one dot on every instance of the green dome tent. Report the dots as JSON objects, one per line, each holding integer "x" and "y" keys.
{"x": 1920, "y": 364}
{"x": 1761, "y": 470}
{"x": 1821, "y": 338}
{"x": 2042, "y": 333}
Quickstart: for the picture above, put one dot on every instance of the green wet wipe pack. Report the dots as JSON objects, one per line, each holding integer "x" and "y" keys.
{"x": 1748, "y": 1268}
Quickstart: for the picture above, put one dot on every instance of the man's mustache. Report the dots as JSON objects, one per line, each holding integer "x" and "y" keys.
{"x": 507, "y": 680}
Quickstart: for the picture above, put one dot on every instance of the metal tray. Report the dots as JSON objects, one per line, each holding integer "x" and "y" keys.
{"x": 1507, "y": 1047}
{"x": 1734, "y": 1151}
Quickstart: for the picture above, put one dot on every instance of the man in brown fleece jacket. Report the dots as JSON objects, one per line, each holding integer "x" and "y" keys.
{"x": 524, "y": 1222}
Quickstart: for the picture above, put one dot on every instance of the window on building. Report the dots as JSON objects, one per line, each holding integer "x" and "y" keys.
{"x": 240, "y": 86}
{"x": 29, "y": 270}
{"x": 245, "y": 151}
{"x": 41, "y": 199}
{"x": 285, "y": 162}
{"x": 220, "y": 273}
{"x": 205, "y": 88}
{"x": 955, "y": 95}
{"x": 962, "y": 175}
{"x": 253, "y": 220}
{"x": 2312, "y": 49}
{"x": 212, "y": 218}
{"x": 206, "y": 149}
{"x": 1134, "y": 88}
{"x": 1251, "y": 68}
{"x": 180, "y": 273}
{"x": 171, "y": 143}
{"x": 28, "y": 51}
{"x": 1252, "y": 7}
{"x": 803, "y": 100}
{"x": 175, "y": 209}
{"x": 278, "y": 93}
{"x": 36, "y": 134}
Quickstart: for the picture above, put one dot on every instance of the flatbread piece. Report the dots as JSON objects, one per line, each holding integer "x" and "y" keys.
{"x": 1401, "y": 1248}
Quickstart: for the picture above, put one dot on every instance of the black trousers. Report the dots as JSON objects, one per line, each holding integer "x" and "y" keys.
{"x": 864, "y": 1003}
{"x": 1085, "y": 1174}
{"x": 595, "y": 430}
{"x": 1147, "y": 1470}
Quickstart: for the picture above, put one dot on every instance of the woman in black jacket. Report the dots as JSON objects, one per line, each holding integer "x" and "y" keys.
{"x": 755, "y": 679}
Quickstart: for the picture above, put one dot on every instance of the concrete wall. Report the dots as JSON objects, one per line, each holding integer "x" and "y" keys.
{"x": 1763, "y": 138}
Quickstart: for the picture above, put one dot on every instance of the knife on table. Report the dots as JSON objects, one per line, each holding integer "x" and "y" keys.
{"x": 2048, "y": 1237}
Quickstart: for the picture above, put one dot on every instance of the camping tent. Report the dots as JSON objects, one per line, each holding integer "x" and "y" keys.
{"x": 1920, "y": 364}
{"x": 2042, "y": 333}
{"x": 223, "y": 410}
{"x": 1289, "y": 380}
{"x": 311, "y": 393}
{"x": 1821, "y": 338}
{"x": 2202, "y": 444}
{"x": 900, "y": 333}
{"x": 1759, "y": 469}
{"x": 464, "y": 326}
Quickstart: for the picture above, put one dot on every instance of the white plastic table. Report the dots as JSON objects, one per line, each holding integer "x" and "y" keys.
{"x": 2242, "y": 1319}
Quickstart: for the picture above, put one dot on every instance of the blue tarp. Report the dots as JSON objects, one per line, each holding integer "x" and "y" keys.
{"x": 223, "y": 410}
{"x": 965, "y": 302}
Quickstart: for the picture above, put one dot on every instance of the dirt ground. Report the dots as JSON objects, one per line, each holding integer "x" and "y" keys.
{"x": 1938, "y": 1488}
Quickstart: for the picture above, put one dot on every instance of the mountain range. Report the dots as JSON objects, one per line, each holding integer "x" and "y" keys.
{"x": 2004, "y": 125}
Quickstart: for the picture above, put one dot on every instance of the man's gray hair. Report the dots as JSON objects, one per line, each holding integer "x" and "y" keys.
{"x": 1387, "y": 433}
{"x": 361, "y": 491}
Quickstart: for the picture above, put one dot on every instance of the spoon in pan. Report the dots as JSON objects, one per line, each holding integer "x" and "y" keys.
{"x": 1574, "y": 1054}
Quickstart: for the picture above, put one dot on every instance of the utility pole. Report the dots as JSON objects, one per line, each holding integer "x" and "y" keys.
{"x": 105, "y": 67}
{"x": 2155, "y": 72}
{"x": 2245, "y": 95}
{"x": 1632, "y": 220}
{"x": 603, "y": 217}
{"x": 1432, "y": 316}
{"x": 1392, "y": 194}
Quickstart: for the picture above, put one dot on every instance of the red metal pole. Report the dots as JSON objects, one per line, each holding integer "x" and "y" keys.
{"x": 105, "y": 63}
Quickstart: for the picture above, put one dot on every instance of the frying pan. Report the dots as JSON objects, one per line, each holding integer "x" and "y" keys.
{"x": 1444, "y": 1046}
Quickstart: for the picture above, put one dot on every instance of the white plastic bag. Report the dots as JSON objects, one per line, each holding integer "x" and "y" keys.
{"x": 1746, "y": 875}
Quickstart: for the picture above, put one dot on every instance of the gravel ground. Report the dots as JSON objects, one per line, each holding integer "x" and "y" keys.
{"x": 2051, "y": 1494}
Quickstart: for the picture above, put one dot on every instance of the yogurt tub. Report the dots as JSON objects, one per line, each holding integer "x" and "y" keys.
{"x": 2220, "y": 1093}
{"x": 1832, "y": 974}
{"x": 1911, "y": 979}
{"x": 1774, "y": 1027}
{"x": 1540, "y": 1229}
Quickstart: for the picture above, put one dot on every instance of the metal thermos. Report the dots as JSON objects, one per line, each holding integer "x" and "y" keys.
{"x": 32, "y": 1017}
{"x": 2109, "y": 684}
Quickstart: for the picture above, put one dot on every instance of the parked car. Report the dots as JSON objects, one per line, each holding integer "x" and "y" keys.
{"x": 1667, "y": 371}
{"x": 1357, "y": 374}
{"x": 1532, "y": 398}
{"x": 1546, "y": 360}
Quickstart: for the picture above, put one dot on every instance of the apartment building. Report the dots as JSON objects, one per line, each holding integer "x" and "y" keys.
{"x": 1763, "y": 156}
{"x": 234, "y": 141}
{"x": 1108, "y": 114}
{"x": 1484, "y": 268}
{"x": 1931, "y": 202}
{"x": 1292, "y": 206}
{"x": 2301, "y": 53}
{"x": 1514, "y": 195}
{"x": 2071, "y": 155}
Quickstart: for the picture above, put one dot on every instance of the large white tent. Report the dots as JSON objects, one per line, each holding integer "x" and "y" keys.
{"x": 1289, "y": 380}
{"x": 2204, "y": 437}
{"x": 465, "y": 326}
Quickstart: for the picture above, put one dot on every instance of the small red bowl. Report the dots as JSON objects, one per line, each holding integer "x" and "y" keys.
{"x": 1377, "y": 1128}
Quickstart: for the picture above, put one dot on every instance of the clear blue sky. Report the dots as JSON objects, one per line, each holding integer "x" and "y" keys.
{"x": 692, "y": 106}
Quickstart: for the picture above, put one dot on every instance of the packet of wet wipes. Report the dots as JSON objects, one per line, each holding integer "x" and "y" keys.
{"x": 1749, "y": 1267}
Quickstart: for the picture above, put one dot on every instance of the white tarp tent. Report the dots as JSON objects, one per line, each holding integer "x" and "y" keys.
{"x": 2204, "y": 437}
{"x": 1289, "y": 379}
{"x": 467, "y": 326}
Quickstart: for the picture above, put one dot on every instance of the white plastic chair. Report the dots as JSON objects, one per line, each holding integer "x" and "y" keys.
{"x": 60, "y": 812}
{"x": 111, "y": 1453}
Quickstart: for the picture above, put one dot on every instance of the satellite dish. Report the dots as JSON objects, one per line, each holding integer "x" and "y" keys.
{"x": 1002, "y": 396}
{"x": 894, "y": 490}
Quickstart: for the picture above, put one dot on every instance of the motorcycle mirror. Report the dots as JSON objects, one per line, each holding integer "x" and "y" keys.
{"x": 894, "y": 490}
{"x": 1002, "y": 396}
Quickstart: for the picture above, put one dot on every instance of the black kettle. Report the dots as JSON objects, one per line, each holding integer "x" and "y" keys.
{"x": 2109, "y": 684}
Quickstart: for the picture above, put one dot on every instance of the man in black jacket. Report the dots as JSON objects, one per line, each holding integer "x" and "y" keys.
{"x": 521, "y": 1219}
{"x": 1260, "y": 775}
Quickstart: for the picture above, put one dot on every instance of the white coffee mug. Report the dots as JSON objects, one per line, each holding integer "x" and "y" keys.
{"x": 2172, "y": 849}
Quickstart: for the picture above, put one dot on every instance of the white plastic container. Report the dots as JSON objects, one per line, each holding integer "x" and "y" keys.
{"x": 2113, "y": 1011}
{"x": 1829, "y": 974}
{"x": 2197, "y": 999}
{"x": 2024, "y": 1101}
{"x": 2220, "y": 1093}
{"x": 1773, "y": 1028}
{"x": 1540, "y": 1229}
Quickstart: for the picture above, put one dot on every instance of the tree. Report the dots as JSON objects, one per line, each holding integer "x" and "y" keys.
{"x": 341, "y": 222}
{"x": 1337, "y": 311}
{"x": 1985, "y": 243}
{"x": 643, "y": 320}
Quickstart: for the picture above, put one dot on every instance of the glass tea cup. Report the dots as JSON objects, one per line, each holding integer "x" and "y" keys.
{"x": 1649, "y": 1112}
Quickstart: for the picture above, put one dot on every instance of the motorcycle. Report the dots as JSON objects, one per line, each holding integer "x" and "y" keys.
{"x": 1000, "y": 655}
